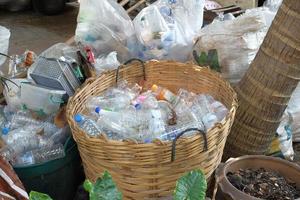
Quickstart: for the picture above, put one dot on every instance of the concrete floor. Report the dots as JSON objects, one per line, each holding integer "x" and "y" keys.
{"x": 35, "y": 32}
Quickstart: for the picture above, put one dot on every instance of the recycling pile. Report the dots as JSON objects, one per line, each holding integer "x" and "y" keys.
{"x": 129, "y": 112}
{"x": 30, "y": 138}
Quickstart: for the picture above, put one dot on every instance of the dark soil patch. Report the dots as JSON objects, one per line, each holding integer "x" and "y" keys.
{"x": 264, "y": 184}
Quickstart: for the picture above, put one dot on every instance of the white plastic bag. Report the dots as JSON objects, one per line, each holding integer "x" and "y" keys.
{"x": 236, "y": 41}
{"x": 4, "y": 43}
{"x": 273, "y": 5}
{"x": 284, "y": 132}
{"x": 106, "y": 62}
{"x": 294, "y": 109}
{"x": 105, "y": 26}
{"x": 166, "y": 29}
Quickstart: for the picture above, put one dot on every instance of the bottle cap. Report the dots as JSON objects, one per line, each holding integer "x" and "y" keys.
{"x": 97, "y": 109}
{"x": 138, "y": 106}
{"x": 154, "y": 88}
{"x": 78, "y": 118}
{"x": 5, "y": 131}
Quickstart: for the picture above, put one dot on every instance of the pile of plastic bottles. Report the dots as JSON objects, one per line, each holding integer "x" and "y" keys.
{"x": 30, "y": 141}
{"x": 128, "y": 112}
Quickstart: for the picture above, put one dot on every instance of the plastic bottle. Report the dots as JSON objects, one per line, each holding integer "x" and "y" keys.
{"x": 20, "y": 139}
{"x": 132, "y": 90}
{"x": 163, "y": 93}
{"x": 89, "y": 126}
{"x": 19, "y": 120}
{"x": 38, "y": 156}
{"x": 115, "y": 103}
{"x": 156, "y": 123}
{"x": 172, "y": 131}
{"x": 145, "y": 101}
{"x": 127, "y": 118}
{"x": 202, "y": 107}
{"x": 219, "y": 109}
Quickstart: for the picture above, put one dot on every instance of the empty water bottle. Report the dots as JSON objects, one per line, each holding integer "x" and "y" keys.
{"x": 207, "y": 115}
{"x": 163, "y": 93}
{"x": 19, "y": 120}
{"x": 88, "y": 125}
{"x": 172, "y": 131}
{"x": 146, "y": 101}
{"x": 116, "y": 103}
{"x": 156, "y": 123}
{"x": 38, "y": 156}
{"x": 219, "y": 109}
{"x": 20, "y": 139}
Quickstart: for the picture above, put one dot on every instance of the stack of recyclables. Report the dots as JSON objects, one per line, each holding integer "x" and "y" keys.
{"x": 125, "y": 112}
{"x": 28, "y": 140}
{"x": 167, "y": 29}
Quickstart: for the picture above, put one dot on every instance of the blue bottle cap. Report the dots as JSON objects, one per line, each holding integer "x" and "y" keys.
{"x": 138, "y": 106}
{"x": 5, "y": 131}
{"x": 78, "y": 118}
{"x": 97, "y": 110}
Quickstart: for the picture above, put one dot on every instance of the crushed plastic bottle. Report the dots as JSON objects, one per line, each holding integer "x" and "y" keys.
{"x": 219, "y": 109}
{"x": 163, "y": 93}
{"x": 173, "y": 131}
{"x": 88, "y": 125}
{"x": 116, "y": 103}
{"x": 21, "y": 139}
{"x": 38, "y": 156}
{"x": 145, "y": 101}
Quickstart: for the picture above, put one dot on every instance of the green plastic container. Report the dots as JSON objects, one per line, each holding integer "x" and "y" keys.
{"x": 57, "y": 178}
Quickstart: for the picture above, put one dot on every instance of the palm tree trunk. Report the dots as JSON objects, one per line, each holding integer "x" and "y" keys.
{"x": 267, "y": 86}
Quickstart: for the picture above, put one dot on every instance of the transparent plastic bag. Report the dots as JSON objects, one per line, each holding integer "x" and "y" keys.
{"x": 294, "y": 109}
{"x": 236, "y": 41}
{"x": 4, "y": 43}
{"x": 273, "y": 4}
{"x": 106, "y": 62}
{"x": 284, "y": 132}
{"x": 106, "y": 27}
{"x": 166, "y": 29}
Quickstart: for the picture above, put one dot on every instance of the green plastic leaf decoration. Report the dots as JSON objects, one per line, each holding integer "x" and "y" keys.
{"x": 104, "y": 189}
{"x": 191, "y": 186}
{"x": 33, "y": 195}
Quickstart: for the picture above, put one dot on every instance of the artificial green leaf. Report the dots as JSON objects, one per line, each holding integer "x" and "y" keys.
{"x": 191, "y": 186}
{"x": 33, "y": 195}
{"x": 105, "y": 189}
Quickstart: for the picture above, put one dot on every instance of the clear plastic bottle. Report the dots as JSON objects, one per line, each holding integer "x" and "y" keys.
{"x": 19, "y": 120}
{"x": 20, "y": 139}
{"x": 202, "y": 107}
{"x": 115, "y": 103}
{"x": 163, "y": 93}
{"x": 219, "y": 109}
{"x": 127, "y": 118}
{"x": 88, "y": 125}
{"x": 156, "y": 123}
{"x": 172, "y": 131}
{"x": 145, "y": 101}
{"x": 38, "y": 156}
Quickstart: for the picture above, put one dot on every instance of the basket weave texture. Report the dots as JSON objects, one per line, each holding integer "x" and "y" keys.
{"x": 145, "y": 171}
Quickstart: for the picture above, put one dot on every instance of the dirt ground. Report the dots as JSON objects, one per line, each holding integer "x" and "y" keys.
{"x": 30, "y": 30}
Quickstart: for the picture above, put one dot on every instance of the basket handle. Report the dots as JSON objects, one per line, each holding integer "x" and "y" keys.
{"x": 130, "y": 61}
{"x": 183, "y": 132}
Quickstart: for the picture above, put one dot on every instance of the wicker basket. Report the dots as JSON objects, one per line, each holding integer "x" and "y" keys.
{"x": 146, "y": 171}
